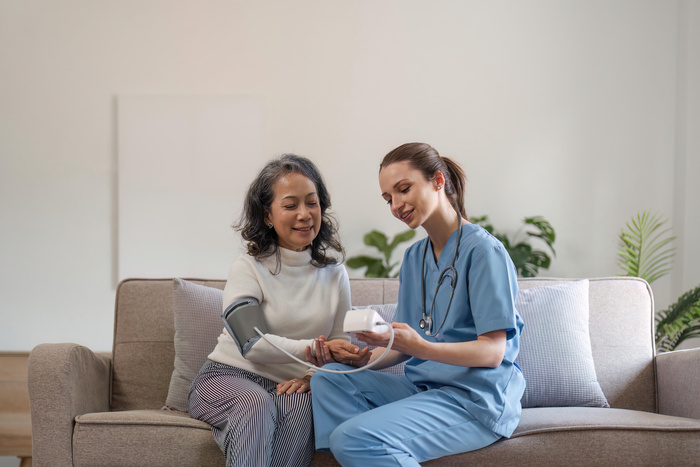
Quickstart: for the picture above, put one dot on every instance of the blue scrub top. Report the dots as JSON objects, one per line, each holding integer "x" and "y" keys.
{"x": 483, "y": 301}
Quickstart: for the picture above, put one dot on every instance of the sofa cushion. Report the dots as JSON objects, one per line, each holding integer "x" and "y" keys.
{"x": 143, "y": 437}
{"x": 588, "y": 436}
{"x": 555, "y": 347}
{"x": 196, "y": 311}
{"x": 581, "y": 436}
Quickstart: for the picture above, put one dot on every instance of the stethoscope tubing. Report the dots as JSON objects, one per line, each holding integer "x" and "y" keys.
{"x": 426, "y": 321}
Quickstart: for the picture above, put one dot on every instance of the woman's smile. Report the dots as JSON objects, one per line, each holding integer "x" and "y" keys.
{"x": 406, "y": 216}
{"x": 295, "y": 212}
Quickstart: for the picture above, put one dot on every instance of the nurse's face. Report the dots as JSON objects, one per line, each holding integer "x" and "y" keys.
{"x": 411, "y": 198}
{"x": 295, "y": 211}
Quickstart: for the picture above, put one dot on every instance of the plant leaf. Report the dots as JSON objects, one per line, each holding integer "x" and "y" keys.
{"x": 521, "y": 255}
{"x": 526, "y": 260}
{"x": 376, "y": 269}
{"x": 376, "y": 239}
{"x": 401, "y": 237}
{"x": 545, "y": 230}
{"x": 679, "y": 322}
{"x": 379, "y": 267}
{"x": 645, "y": 250}
{"x": 357, "y": 262}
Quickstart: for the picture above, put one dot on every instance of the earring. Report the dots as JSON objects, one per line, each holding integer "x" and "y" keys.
{"x": 269, "y": 225}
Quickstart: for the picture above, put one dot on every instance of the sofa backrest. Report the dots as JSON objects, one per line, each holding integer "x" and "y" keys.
{"x": 621, "y": 330}
{"x": 143, "y": 352}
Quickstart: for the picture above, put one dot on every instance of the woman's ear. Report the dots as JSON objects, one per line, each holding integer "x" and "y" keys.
{"x": 438, "y": 180}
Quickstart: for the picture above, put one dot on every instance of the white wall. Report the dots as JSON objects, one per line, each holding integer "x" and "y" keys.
{"x": 585, "y": 112}
{"x": 686, "y": 274}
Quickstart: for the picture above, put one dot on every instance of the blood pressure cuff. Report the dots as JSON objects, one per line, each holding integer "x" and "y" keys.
{"x": 240, "y": 319}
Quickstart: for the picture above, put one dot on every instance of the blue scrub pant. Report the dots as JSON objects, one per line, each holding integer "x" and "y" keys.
{"x": 372, "y": 418}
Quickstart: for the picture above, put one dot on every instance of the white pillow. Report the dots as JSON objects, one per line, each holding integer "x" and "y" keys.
{"x": 197, "y": 315}
{"x": 555, "y": 347}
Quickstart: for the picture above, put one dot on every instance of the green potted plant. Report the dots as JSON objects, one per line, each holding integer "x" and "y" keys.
{"x": 528, "y": 260}
{"x": 382, "y": 266}
{"x": 645, "y": 248}
{"x": 678, "y": 322}
{"x": 646, "y": 251}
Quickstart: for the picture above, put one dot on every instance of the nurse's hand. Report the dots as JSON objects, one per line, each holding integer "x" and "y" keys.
{"x": 345, "y": 352}
{"x": 406, "y": 339}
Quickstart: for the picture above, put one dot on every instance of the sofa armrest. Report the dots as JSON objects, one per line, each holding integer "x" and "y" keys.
{"x": 64, "y": 381}
{"x": 677, "y": 382}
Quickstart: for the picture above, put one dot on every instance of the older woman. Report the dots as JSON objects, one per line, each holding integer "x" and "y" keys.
{"x": 255, "y": 397}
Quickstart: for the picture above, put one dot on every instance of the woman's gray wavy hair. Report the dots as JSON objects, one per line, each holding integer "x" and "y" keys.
{"x": 261, "y": 240}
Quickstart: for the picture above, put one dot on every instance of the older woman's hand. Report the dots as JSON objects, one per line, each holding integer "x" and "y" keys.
{"x": 336, "y": 350}
{"x": 296, "y": 385}
{"x": 320, "y": 354}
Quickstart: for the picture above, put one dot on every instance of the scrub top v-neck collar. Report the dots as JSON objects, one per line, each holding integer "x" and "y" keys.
{"x": 445, "y": 260}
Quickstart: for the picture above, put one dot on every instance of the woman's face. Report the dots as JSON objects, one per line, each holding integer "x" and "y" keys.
{"x": 295, "y": 211}
{"x": 411, "y": 198}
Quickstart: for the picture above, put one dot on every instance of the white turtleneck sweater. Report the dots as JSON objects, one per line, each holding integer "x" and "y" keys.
{"x": 300, "y": 303}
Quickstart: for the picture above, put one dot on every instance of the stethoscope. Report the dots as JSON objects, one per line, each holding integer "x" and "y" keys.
{"x": 426, "y": 321}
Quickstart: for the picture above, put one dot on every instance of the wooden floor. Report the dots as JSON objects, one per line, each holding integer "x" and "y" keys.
{"x": 15, "y": 422}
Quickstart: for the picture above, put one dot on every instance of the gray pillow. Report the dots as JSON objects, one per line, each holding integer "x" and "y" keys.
{"x": 387, "y": 312}
{"x": 555, "y": 347}
{"x": 197, "y": 311}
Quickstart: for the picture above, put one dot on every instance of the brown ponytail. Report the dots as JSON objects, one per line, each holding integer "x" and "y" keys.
{"x": 426, "y": 159}
{"x": 458, "y": 181}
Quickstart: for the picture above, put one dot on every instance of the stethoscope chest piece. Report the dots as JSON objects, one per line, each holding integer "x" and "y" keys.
{"x": 425, "y": 323}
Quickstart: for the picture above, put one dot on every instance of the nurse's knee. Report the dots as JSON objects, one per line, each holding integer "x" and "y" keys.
{"x": 348, "y": 437}
{"x": 338, "y": 442}
{"x": 322, "y": 379}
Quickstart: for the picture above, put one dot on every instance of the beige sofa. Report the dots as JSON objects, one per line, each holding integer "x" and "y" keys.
{"x": 91, "y": 409}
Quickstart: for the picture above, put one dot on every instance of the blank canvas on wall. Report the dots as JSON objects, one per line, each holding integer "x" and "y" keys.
{"x": 184, "y": 164}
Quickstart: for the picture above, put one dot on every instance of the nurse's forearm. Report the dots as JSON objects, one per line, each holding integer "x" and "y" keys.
{"x": 487, "y": 351}
{"x": 394, "y": 357}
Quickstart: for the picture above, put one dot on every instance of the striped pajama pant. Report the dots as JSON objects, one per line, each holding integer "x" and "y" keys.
{"x": 252, "y": 425}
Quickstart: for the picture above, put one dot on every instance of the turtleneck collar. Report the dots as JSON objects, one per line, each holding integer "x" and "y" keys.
{"x": 295, "y": 258}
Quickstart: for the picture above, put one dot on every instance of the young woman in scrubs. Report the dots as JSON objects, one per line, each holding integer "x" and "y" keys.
{"x": 456, "y": 327}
